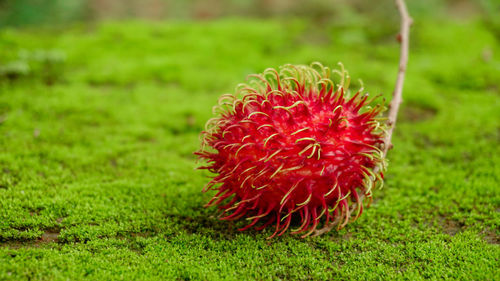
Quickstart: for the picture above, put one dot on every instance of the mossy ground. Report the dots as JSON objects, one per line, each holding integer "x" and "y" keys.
{"x": 98, "y": 125}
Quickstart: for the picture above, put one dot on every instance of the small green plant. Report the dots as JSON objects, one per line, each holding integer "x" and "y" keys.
{"x": 44, "y": 65}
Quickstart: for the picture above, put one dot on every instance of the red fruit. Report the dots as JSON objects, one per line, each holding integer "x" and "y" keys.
{"x": 293, "y": 146}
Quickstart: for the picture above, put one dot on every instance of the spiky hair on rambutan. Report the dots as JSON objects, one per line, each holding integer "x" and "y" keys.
{"x": 293, "y": 145}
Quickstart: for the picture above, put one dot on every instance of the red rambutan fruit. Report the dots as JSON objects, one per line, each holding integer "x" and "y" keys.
{"x": 293, "y": 145}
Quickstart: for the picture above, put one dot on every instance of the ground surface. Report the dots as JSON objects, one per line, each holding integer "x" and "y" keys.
{"x": 98, "y": 125}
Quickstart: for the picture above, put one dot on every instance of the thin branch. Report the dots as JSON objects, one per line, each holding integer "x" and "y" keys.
{"x": 404, "y": 37}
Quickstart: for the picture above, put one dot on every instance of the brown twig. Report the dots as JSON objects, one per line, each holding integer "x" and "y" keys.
{"x": 404, "y": 37}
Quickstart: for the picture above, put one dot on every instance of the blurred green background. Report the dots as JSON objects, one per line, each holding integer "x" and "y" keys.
{"x": 35, "y": 12}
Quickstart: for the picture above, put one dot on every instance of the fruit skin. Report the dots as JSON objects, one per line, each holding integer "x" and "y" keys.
{"x": 293, "y": 145}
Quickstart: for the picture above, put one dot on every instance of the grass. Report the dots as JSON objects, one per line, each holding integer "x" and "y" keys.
{"x": 98, "y": 125}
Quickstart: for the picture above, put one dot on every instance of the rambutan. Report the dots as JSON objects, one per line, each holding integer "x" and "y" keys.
{"x": 294, "y": 145}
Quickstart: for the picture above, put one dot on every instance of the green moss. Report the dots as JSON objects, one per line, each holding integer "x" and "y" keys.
{"x": 97, "y": 174}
